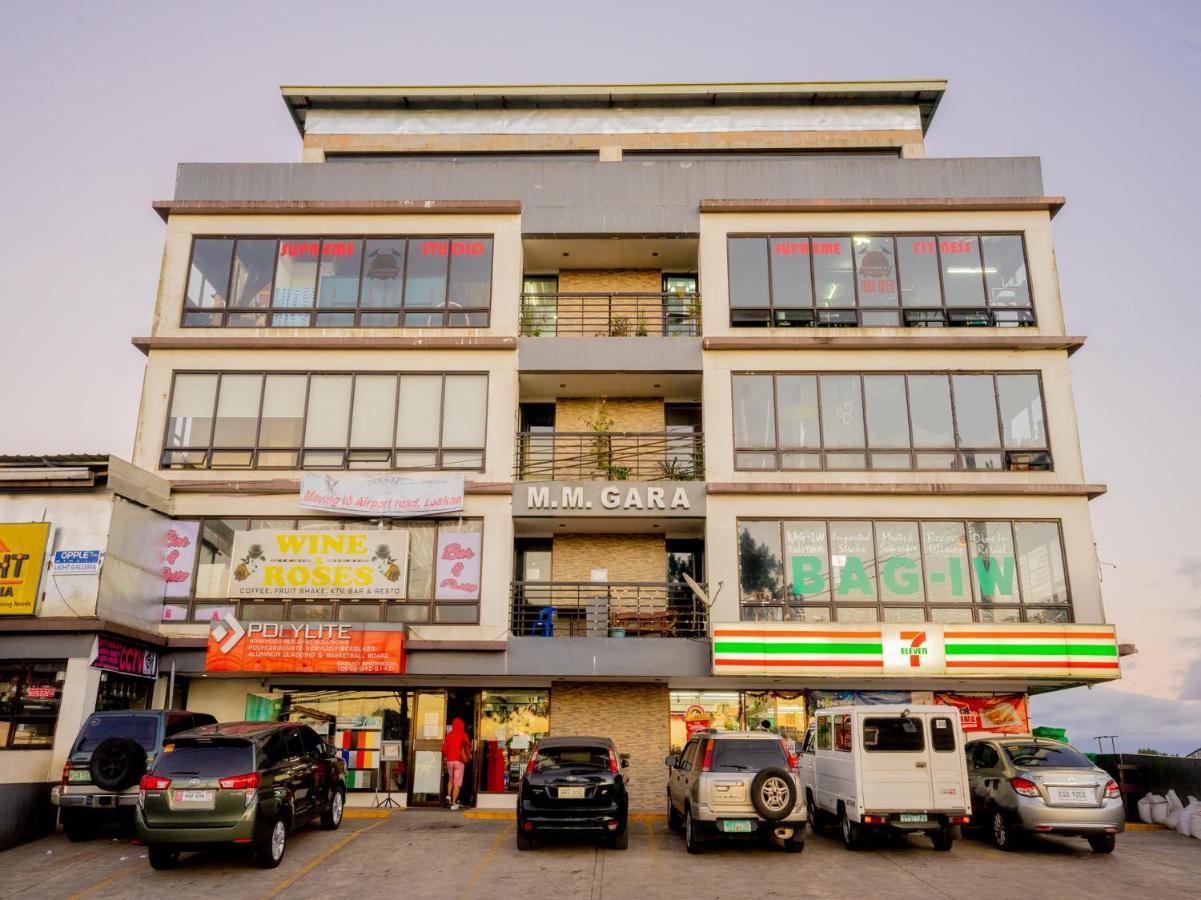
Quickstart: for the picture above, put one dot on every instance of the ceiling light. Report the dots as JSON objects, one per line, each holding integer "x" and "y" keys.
{"x": 654, "y": 253}
{"x": 562, "y": 385}
{"x": 565, "y": 253}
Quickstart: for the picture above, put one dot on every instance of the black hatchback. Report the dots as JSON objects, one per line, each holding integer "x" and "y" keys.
{"x": 574, "y": 785}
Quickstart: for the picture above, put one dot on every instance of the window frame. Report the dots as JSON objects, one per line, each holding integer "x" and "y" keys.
{"x": 224, "y": 313}
{"x": 835, "y": 320}
{"x": 206, "y": 453}
{"x": 828, "y": 455}
{"x": 787, "y": 603}
{"x": 25, "y": 669}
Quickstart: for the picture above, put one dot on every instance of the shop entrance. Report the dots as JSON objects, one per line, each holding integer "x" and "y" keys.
{"x": 434, "y": 711}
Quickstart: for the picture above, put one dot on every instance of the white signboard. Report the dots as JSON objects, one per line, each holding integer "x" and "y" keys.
{"x": 458, "y": 569}
{"x": 75, "y": 562}
{"x": 369, "y": 565}
{"x": 381, "y": 496}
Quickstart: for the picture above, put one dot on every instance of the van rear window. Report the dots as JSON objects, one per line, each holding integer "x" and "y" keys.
{"x": 213, "y": 761}
{"x": 894, "y": 734}
{"x": 735, "y": 755}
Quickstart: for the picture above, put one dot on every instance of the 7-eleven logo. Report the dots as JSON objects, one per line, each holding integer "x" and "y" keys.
{"x": 916, "y": 647}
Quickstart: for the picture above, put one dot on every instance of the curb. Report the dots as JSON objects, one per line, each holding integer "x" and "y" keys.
{"x": 1144, "y": 826}
{"x": 366, "y": 813}
{"x": 511, "y": 815}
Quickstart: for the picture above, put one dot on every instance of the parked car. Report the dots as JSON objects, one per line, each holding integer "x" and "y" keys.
{"x": 889, "y": 766}
{"x": 246, "y": 783}
{"x": 1024, "y": 785}
{"x": 574, "y": 784}
{"x": 736, "y": 784}
{"x": 110, "y": 754}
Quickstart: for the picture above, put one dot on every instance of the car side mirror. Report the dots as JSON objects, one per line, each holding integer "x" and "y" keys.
{"x": 671, "y": 762}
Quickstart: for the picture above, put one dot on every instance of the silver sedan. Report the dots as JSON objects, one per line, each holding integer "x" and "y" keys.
{"x": 1026, "y": 785}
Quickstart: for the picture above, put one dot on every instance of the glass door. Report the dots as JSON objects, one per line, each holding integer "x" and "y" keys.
{"x": 680, "y": 305}
{"x": 429, "y": 730}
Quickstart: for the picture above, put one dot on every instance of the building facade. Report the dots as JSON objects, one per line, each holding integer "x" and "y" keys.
{"x": 755, "y": 408}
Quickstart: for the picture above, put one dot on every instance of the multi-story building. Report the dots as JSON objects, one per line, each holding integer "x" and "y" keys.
{"x": 755, "y": 406}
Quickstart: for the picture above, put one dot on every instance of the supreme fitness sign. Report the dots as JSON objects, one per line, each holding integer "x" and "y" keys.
{"x": 601, "y": 499}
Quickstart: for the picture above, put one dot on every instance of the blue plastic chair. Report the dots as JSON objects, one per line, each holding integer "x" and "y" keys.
{"x": 544, "y": 625}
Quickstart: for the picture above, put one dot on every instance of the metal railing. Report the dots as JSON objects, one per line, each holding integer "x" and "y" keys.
{"x": 610, "y": 315}
{"x": 610, "y": 456}
{"x": 610, "y": 609}
{"x": 882, "y": 317}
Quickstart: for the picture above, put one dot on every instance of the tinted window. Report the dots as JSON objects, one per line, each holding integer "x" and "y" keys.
{"x": 207, "y": 762}
{"x": 552, "y": 759}
{"x": 176, "y": 724}
{"x": 942, "y": 733}
{"x": 310, "y": 743}
{"x": 747, "y": 755}
{"x": 748, "y": 272}
{"x": 690, "y": 755}
{"x": 842, "y": 733}
{"x": 276, "y": 749}
{"x": 892, "y": 734}
{"x": 143, "y": 729}
{"x": 1047, "y": 756}
{"x": 986, "y": 756}
{"x": 823, "y": 732}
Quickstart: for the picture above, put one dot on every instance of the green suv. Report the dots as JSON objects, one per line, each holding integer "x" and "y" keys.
{"x": 246, "y": 783}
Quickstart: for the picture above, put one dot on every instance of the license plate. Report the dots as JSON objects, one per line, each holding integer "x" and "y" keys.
{"x": 737, "y": 826}
{"x": 571, "y": 793}
{"x": 1072, "y": 795}
{"x": 74, "y": 775}
{"x": 194, "y": 796}
{"x": 913, "y": 817}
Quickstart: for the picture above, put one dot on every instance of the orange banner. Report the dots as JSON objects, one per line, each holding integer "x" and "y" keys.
{"x": 996, "y": 713}
{"x": 352, "y": 649}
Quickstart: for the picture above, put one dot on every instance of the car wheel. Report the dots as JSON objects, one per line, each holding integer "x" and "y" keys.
{"x": 692, "y": 841}
{"x": 161, "y": 857}
{"x": 852, "y": 834}
{"x": 812, "y": 812}
{"x": 620, "y": 841}
{"x": 943, "y": 839}
{"x": 270, "y": 852}
{"x": 773, "y": 794}
{"x": 1102, "y": 843}
{"x": 332, "y": 818}
{"x": 78, "y": 826}
{"x": 674, "y": 820}
{"x": 524, "y": 841}
{"x": 1003, "y": 836}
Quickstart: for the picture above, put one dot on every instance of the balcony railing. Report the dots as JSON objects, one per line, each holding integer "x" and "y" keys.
{"x": 611, "y": 609}
{"x": 610, "y": 315}
{"x": 610, "y": 456}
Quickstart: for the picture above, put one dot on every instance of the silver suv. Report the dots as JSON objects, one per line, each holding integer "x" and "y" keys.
{"x": 736, "y": 784}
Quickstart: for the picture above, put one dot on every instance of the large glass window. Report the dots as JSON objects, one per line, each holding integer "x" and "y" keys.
{"x": 339, "y": 282}
{"x": 878, "y": 280}
{"x": 995, "y": 422}
{"x": 30, "y": 694}
{"x": 511, "y": 724}
{"x": 239, "y": 420}
{"x": 902, "y": 571}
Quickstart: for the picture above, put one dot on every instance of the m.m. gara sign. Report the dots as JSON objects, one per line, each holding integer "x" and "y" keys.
{"x": 600, "y": 499}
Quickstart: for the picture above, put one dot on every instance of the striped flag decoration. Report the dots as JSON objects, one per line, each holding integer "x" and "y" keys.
{"x": 747, "y": 648}
{"x": 1079, "y": 651}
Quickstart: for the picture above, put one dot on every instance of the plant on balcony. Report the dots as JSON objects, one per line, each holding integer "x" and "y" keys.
{"x": 640, "y": 325}
{"x": 600, "y": 422}
{"x": 618, "y": 473}
{"x": 619, "y": 326}
{"x": 530, "y": 322}
{"x": 675, "y": 470}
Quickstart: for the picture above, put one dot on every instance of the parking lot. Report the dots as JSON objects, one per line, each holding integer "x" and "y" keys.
{"x": 444, "y": 854}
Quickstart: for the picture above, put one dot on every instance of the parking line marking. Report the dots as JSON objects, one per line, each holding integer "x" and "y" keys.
{"x": 485, "y": 860}
{"x": 650, "y": 837}
{"x": 101, "y": 885}
{"x": 320, "y": 858}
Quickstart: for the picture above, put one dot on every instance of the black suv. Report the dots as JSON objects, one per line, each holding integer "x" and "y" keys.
{"x": 247, "y": 783}
{"x": 574, "y": 784}
{"x": 111, "y": 752}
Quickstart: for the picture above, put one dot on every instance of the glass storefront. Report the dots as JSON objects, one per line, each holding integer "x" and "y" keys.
{"x": 693, "y": 711}
{"x": 123, "y": 692}
{"x": 511, "y": 724}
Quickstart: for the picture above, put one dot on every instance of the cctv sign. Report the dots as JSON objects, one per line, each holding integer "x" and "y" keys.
{"x": 334, "y": 648}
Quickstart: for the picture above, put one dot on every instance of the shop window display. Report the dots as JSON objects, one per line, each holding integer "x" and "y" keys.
{"x": 30, "y": 693}
{"x": 369, "y": 729}
{"x": 511, "y": 724}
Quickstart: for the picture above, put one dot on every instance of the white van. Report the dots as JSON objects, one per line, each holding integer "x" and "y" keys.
{"x": 886, "y": 766}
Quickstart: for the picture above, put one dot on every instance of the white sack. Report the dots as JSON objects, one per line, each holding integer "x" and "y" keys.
{"x": 1159, "y": 809}
{"x": 1187, "y": 815}
{"x": 1144, "y": 808}
{"x": 1175, "y": 808}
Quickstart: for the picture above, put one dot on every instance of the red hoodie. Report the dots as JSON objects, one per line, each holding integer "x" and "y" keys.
{"x": 452, "y": 745}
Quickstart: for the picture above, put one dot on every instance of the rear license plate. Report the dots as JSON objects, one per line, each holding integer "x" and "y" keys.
{"x": 572, "y": 793}
{"x": 737, "y": 826}
{"x": 913, "y": 817}
{"x": 194, "y": 797}
{"x": 1072, "y": 795}
{"x": 74, "y": 775}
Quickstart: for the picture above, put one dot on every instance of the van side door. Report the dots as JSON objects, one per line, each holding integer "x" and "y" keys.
{"x": 947, "y": 765}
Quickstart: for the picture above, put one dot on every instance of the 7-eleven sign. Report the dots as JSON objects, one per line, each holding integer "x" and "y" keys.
{"x": 914, "y": 650}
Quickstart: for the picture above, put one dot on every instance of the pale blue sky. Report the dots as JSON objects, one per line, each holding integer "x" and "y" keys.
{"x": 101, "y": 100}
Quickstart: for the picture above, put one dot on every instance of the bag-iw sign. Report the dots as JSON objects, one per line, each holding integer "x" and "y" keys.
{"x": 22, "y": 558}
{"x": 324, "y": 647}
{"x": 602, "y": 499}
{"x": 369, "y": 565}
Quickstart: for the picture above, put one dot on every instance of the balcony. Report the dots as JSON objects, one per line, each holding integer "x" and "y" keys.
{"x": 610, "y": 315}
{"x": 612, "y": 456}
{"x": 611, "y": 609}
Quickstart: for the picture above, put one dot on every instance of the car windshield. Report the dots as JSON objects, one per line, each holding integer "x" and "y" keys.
{"x": 211, "y": 761}
{"x": 143, "y": 729}
{"x": 1047, "y": 756}
{"x": 746, "y": 755}
{"x": 550, "y": 759}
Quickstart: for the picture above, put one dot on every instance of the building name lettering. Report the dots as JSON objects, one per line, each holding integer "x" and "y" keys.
{"x": 612, "y": 497}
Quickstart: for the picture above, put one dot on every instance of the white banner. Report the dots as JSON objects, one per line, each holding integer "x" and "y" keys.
{"x": 386, "y": 496}
{"x": 458, "y": 568}
{"x": 369, "y": 565}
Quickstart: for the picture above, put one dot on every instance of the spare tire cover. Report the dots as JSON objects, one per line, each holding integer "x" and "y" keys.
{"x": 117, "y": 763}
{"x": 773, "y": 793}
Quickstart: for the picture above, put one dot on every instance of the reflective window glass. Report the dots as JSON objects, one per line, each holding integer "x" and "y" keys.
{"x": 962, "y": 281}
{"x": 876, "y": 265}
{"x": 1040, "y": 563}
{"x": 748, "y": 272}
{"x": 470, "y": 274}
{"x": 425, "y": 276}
{"x": 754, "y": 412}
{"x": 374, "y": 408}
{"x": 899, "y": 559}
{"x": 796, "y": 400}
{"x": 976, "y": 410}
{"x": 918, "y": 263}
{"x": 329, "y": 411}
{"x": 1022, "y": 410}
{"x": 419, "y": 409}
{"x": 806, "y": 561}
{"x": 930, "y": 411}
{"x": 993, "y": 565}
{"x": 465, "y": 411}
{"x": 852, "y": 561}
{"x": 341, "y": 260}
{"x": 833, "y": 271}
{"x": 791, "y": 283}
{"x": 887, "y": 418}
{"x": 190, "y": 422}
{"x": 282, "y": 423}
{"x": 383, "y": 273}
{"x": 947, "y": 576}
{"x": 842, "y": 411}
{"x": 1005, "y": 270}
{"x": 759, "y": 563}
{"x": 254, "y": 264}
{"x": 237, "y": 411}
{"x": 208, "y": 278}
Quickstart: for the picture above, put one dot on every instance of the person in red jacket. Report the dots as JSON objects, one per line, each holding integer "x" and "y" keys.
{"x": 456, "y": 752}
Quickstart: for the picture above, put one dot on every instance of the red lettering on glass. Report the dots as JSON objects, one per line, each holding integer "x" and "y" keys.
{"x": 956, "y": 247}
{"x": 455, "y": 585}
{"x": 474, "y": 249}
{"x": 833, "y": 249}
{"x": 923, "y": 246}
{"x": 432, "y": 248}
{"x": 801, "y": 247}
{"x": 175, "y": 539}
{"x": 457, "y": 551}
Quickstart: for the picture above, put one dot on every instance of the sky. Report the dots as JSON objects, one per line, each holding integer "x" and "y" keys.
{"x": 102, "y": 100}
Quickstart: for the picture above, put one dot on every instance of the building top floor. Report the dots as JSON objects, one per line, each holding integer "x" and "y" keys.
{"x": 611, "y": 120}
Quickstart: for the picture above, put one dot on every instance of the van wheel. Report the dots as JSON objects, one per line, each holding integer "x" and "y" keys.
{"x": 1102, "y": 843}
{"x": 162, "y": 858}
{"x": 813, "y": 813}
{"x": 1003, "y": 836}
{"x": 852, "y": 833}
{"x": 270, "y": 852}
{"x": 693, "y": 842}
{"x": 943, "y": 839}
{"x": 674, "y": 820}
